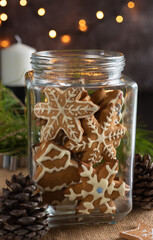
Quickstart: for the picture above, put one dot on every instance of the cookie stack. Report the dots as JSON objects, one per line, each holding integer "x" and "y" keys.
{"x": 76, "y": 155}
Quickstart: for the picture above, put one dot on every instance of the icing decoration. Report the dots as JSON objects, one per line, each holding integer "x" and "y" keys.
{"x": 63, "y": 110}
{"x": 100, "y": 138}
{"x": 99, "y": 190}
{"x": 143, "y": 232}
{"x": 55, "y": 171}
{"x": 101, "y": 179}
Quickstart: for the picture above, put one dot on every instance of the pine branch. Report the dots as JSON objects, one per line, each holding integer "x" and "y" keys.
{"x": 13, "y": 130}
{"x": 144, "y": 141}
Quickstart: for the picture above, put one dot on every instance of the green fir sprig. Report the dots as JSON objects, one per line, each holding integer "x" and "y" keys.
{"x": 13, "y": 130}
{"x": 144, "y": 141}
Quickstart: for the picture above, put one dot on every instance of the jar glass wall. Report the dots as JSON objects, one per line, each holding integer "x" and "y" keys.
{"x": 82, "y": 119}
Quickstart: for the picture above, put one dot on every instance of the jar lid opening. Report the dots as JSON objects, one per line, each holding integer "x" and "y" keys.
{"x": 90, "y": 54}
{"x": 95, "y": 63}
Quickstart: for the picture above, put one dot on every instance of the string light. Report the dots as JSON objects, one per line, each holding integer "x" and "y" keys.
{"x": 0, "y": 22}
{"x": 131, "y": 4}
{"x": 119, "y": 19}
{"x": 5, "y": 43}
{"x": 3, "y": 17}
{"x": 41, "y": 11}
{"x": 52, "y": 33}
{"x": 3, "y": 3}
{"x": 66, "y": 38}
{"x": 23, "y": 3}
{"x": 100, "y": 15}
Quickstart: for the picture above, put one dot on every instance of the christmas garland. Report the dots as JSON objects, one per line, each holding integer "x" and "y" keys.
{"x": 13, "y": 129}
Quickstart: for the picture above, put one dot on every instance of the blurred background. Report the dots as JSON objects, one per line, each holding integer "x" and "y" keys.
{"x": 116, "y": 25}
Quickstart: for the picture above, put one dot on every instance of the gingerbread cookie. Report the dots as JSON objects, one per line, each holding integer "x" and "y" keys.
{"x": 100, "y": 139}
{"x": 63, "y": 110}
{"x": 97, "y": 189}
{"x": 143, "y": 232}
{"x": 55, "y": 170}
{"x": 104, "y": 98}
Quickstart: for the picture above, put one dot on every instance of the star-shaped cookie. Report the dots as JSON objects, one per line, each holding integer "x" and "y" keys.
{"x": 100, "y": 139}
{"x": 63, "y": 110}
{"x": 97, "y": 188}
{"x": 143, "y": 232}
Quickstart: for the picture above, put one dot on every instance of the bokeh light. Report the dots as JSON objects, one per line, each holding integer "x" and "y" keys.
{"x": 83, "y": 28}
{"x": 3, "y": 3}
{"x": 131, "y": 4}
{"x": 119, "y": 19}
{"x": 52, "y": 33}
{"x": 41, "y": 11}
{"x": 5, "y": 43}
{"x": 100, "y": 15}
{"x": 82, "y": 22}
{"x": 66, "y": 38}
{"x": 3, "y": 17}
{"x": 23, "y": 3}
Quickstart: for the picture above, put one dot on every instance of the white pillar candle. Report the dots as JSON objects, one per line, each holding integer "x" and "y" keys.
{"x": 15, "y": 62}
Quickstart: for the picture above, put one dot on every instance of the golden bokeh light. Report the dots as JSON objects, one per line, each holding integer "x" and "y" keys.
{"x": 0, "y": 22}
{"x": 119, "y": 19}
{"x": 131, "y": 4}
{"x": 82, "y": 22}
{"x": 23, "y": 3}
{"x": 66, "y": 38}
{"x": 100, "y": 15}
{"x": 52, "y": 33}
{"x": 83, "y": 28}
{"x": 3, "y": 3}
{"x": 41, "y": 11}
{"x": 3, "y": 17}
{"x": 5, "y": 43}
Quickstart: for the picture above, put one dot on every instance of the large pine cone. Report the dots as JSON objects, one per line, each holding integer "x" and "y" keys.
{"x": 143, "y": 182}
{"x": 21, "y": 213}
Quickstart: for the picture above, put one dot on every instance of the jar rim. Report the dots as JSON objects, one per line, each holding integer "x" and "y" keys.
{"x": 102, "y": 63}
{"x": 85, "y": 53}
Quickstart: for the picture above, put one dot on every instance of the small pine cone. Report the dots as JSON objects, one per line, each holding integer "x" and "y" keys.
{"x": 143, "y": 182}
{"x": 21, "y": 213}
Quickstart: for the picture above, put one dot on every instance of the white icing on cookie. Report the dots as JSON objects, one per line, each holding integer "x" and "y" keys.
{"x": 56, "y": 188}
{"x": 99, "y": 189}
{"x": 63, "y": 111}
{"x": 43, "y": 157}
{"x": 118, "y": 96}
{"x": 103, "y": 141}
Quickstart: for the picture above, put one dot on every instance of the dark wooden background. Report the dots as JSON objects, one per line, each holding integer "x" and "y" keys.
{"x": 133, "y": 37}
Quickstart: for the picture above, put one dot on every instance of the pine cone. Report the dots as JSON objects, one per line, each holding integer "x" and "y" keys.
{"x": 143, "y": 182}
{"x": 21, "y": 213}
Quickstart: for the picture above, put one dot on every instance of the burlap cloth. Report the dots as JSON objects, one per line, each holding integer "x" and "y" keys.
{"x": 100, "y": 232}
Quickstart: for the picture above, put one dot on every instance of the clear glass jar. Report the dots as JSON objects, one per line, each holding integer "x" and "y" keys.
{"x": 82, "y": 120}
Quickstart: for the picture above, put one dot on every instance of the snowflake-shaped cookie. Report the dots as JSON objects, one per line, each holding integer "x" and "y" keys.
{"x": 100, "y": 139}
{"x": 97, "y": 188}
{"x": 63, "y": 110}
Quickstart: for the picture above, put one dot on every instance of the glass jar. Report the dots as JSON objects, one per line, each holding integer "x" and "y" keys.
{"x": 82, "y": 120}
